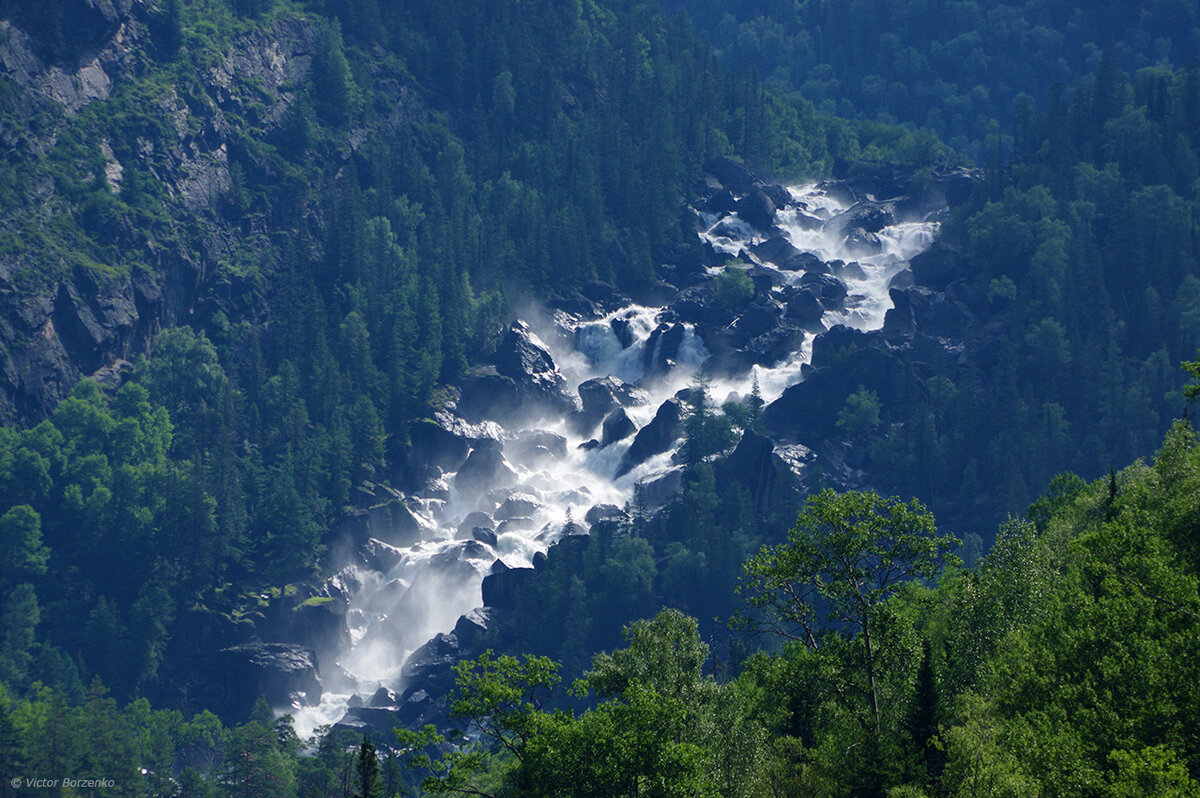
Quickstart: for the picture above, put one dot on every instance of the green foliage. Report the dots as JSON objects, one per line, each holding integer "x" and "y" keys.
{"x": 732, "y": 288}
{"x": 861, "y": 413}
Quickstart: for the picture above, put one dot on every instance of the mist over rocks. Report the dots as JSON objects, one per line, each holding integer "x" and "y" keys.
{"x": 574, "y": 419}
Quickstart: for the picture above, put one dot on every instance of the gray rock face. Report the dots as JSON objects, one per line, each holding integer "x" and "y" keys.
{"x": 656, "y": 490}
{"x": 655, "y": 438}
{"x": 279, "y": 671}
{"x": 759, "y": 466}
{"x": 484, "y": 469}
{"x": 523, "y": 381}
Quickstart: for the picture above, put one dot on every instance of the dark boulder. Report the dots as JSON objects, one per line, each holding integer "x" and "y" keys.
{"x": 918, "y": 309}
{"x": 535, "y": 447}
{"x": 780, "y": 197}
{"x": 282, "y": 672}
{"x": 500, "y": 586}
{"x": 470, "y": 628}
{"x": 756, "y": 319}
{"x": 617, "y": 426}
{"x": 484, "y": 469}
{"x": 771, "y": 347}
{"x": 602, "y": 395}
{"x": 472, "y": 521}
{"x": 662, "y": 348}
{"x": 804, "y": 308}
{"x": 862, "y": 242}
{"x": 902, "y": 279}
{"x": 518, "y": 505}
{"x": 720, "y": 201}
{"x": 757, "y": 210}
{"x": 379, "y": 556}
{"x": 623, "y": 330}
{"x": 655, "y": 438}
{"x": 431, "y": 667}
{"x": 654, "y": 491}
{"x": 734, "y": 176}
{"x": 521, "y": 356}
{"x": 605, "y": 512}
{"x": 433, "y": 443}
{"x": 808, "y": 411}
{"x": 937, "y": 267}
{"x": 869, "y": 217}
{"x": 522, "y": 379}
{"x": 803, "y": 262}
{"x": 831, "y": 290}
{"x": 691, "y": 305}
{"x": 485, "y": 536}
{"x": 756, "y": 464}
{"x": 775, "y": 250}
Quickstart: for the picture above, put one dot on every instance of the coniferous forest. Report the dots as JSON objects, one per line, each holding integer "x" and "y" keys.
{"x": 265, "y": 273}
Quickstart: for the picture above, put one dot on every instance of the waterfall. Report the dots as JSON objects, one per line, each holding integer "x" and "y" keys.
{"x": 555, "y": 469}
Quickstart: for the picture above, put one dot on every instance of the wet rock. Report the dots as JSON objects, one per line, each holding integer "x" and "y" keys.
{"x": 617, "y": 427}
{"x": 720, "y": 202}
{"x": 654, "y": 491}
{"x": 485, "y": 536}
{"x": 848, "y": 271}
{"x": 831, "y": 291}
{"x": 662, "y": 348}
{"x": 500, "y": 587}
{"x": 522, "y": 380}
{"x": 379, "y": 556}
{"x": 623, "y": 330}
{"x": 867, "y": 216}
{"x": 655, "y": 438}
{"x": 692, "y": 304}
{"x": 517, "y": 505}
{"x": 780, "y": 197}
{"x": 484, "y": 468}
{"x": 453, "y": 561}
{"x": 434, "y": 443}
{"x": 472, "y": 521}
{"x": 757, "y": 209}
{"x": 536, "y": 446}
{"x": 775, "y": 250}
{"x": 470, "y": 628}
{"x": 383, "y": 697}
{"x": 601, "y": 396}
{"x": 431, "y": 667}
{"x": 902, "y": 279}
{"x": 862, "y": 242}
{"x": 756, "y": 319}
{"x": 807, "y": 412}
{"x": 385, "y": 598}
{"x": 605, "y": 512}
{"x": 523, "y": 357}
{"x": 516, "y": 524}
{"x": 804, "y": 308}
{"x": 803, "y": 262}
{"x": 771, "y": 347}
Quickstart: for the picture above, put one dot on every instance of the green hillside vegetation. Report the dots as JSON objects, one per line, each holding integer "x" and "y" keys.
{"x": 444, "y": 160}
{"x": 1062, "y": 664}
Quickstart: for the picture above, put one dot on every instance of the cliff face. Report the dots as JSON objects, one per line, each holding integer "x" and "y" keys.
{"x": 116, "y": 219}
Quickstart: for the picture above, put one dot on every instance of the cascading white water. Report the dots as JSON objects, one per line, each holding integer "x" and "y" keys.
{"x": 395, "y": 612}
